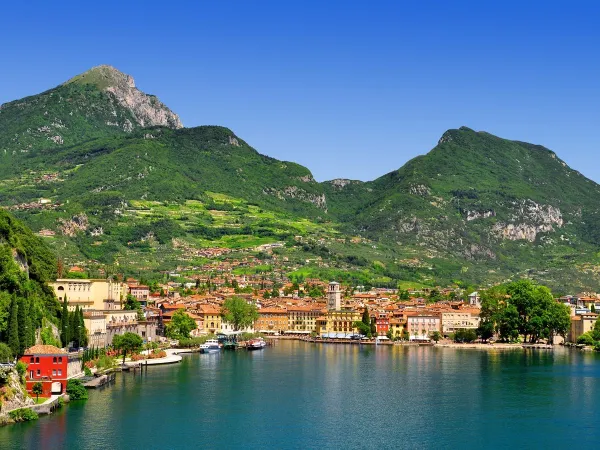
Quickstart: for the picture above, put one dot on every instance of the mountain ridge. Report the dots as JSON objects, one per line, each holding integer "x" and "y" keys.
{"x": 476, "y": 206}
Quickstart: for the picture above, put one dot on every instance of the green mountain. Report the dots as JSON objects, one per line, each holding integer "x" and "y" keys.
{"x": 125, "y": 184}
{"x": 488, "y": 205}
{"x": 101, "y": 102}
{"x": 26, "y": 264}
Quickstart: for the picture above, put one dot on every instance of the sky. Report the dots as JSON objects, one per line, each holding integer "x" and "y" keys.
{"x": 348, "y": 89}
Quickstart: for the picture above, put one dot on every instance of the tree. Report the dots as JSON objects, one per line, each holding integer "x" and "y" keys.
{"x": 239, "y": 313}
{"x": 485, "y": 330}
{"x": 127, "y": 343}
{"x": 64, "y": 323}
{"x": 6, "y": 354}
{"x": 37, "y": 389}
{"x": 558, "y": 321}
{"x": 463, "y": 335}
{"x": 76, "y": 390}
{"x": 132, "y": 304}
{"x": 436, "y": 336}
{"x": 83, "y": 336}
{"x": 593, "y": 308}
{"x": 13, "y": 327}
{"x": 365, "y": 317}
{"x": 24, "y": 321}
{"x": 181, "y": 325}
{"x": 404, "y": 295}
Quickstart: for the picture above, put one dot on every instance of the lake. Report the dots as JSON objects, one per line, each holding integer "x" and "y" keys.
{"x": 302, "y": 395}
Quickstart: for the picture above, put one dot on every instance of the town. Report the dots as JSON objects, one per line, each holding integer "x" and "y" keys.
{"x": 317, "y": 309}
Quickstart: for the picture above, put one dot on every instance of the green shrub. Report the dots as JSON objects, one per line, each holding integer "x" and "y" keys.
{"x": 586, "y": 339}
{"x": 60, "y": 402}
{"x": 87, "y": 371}
{"x": 23, "y": 415}
{"x": 76, "y": 390}
{"x": 21, "y": 368}
{"x": 105, "y": 362}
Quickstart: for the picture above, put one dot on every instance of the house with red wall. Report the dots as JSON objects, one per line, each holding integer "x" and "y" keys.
{"x": 50, "y": 366}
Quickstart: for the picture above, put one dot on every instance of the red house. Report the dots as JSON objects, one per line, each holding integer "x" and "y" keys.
{"x": 382, "y": 321}
{"x": 49, "y": 365}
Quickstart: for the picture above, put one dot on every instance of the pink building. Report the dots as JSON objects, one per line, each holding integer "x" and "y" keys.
{"x": 421, "y": 326}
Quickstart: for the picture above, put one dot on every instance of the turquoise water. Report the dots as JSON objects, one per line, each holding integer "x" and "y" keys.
{"x": 300, "y": 395}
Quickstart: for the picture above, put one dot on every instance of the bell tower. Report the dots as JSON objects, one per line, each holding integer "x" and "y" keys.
{"x": 334, "y": 296}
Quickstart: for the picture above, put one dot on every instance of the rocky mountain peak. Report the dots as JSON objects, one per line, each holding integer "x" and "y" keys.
{"x": 146, "y": 109}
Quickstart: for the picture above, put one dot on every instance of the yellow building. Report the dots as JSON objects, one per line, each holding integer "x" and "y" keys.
{"x": 211, "y": 317}
{"x": 99, "y": 294}
{"x": 302, "y": 319}
{"x": 338, "y": 322}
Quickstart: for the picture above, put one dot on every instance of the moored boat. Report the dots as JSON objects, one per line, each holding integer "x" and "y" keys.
{"x": 256, "y": 344}
{"x": 210, "y": 346}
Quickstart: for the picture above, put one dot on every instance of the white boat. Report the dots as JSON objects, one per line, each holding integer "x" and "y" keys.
{"x": 210, "y": 346}
{"x": 256, "y": 344}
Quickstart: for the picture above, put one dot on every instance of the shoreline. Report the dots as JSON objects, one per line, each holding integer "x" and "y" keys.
{"x": 454, "y": 345}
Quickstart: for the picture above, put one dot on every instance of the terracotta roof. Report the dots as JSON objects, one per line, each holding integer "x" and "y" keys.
{"x": 43, "y": 350}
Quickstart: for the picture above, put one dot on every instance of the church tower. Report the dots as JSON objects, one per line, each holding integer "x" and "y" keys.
{"x": 334, "y": 296}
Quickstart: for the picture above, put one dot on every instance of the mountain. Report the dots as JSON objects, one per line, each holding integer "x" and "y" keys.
{"x": 26, "y": 264}
{"x": 108, "y": 174}
{"x": 98, "y": 103}
{"x": 505, "y": 206}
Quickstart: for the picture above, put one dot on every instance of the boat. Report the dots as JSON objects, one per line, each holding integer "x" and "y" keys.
{"x": 210, "y": 346}
{"x": 256, "y": 344}
{"x": 230, "y": 345}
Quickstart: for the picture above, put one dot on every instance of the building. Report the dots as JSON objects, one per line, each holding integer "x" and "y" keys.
{"x": 421, "y": 326}
{"x": 580, "y": 324}
{"x": 382, "y": 323}
{"x": 475, "y": 299}
{"x": 97, "y": 294}
{"x": 120, "y": 322}
{"x": 397, "y": 326}
{"x": 95, "y": 324}
{"x": 457, "y": 320}
{"x": 302, "y": 319}
{"x": 271, "y": 320}
{"x": 334, "y": 296}
{"x": 50, "y": 366}
{"x": 140, "y": 292}
{"x": 211, "y": 318}
{"x": 338, "y": 323}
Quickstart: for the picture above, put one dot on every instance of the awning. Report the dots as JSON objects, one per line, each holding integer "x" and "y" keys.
{"x": 297, "y": 332}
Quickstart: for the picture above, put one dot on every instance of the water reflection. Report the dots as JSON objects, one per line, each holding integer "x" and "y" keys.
{"x": 298, "y": 395}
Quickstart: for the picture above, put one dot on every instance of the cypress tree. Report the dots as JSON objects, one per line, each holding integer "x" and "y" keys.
{"x": 365, "y": 317}
{"x": 83, "y": 332}
{"x": 13, "y": 327}
{"x": 74, "y": 332}
{"x": 24, "y": 322}
{"x": 64, "y": 324}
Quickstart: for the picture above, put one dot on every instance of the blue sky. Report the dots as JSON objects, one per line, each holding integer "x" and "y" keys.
{"x": 348, "y": 89}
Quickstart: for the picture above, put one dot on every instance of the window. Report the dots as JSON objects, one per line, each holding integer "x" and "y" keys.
{"x": 60, "y": 359}
{"x": 38, "y": 373}
{"x": 53, "y": 372}
{"x": 31, "y": 360}
{"x": 54, "y": 360}
{"x": 37, "y": 359}
{"x": 30, "y": 374}
{"x": 60, "y": 372}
